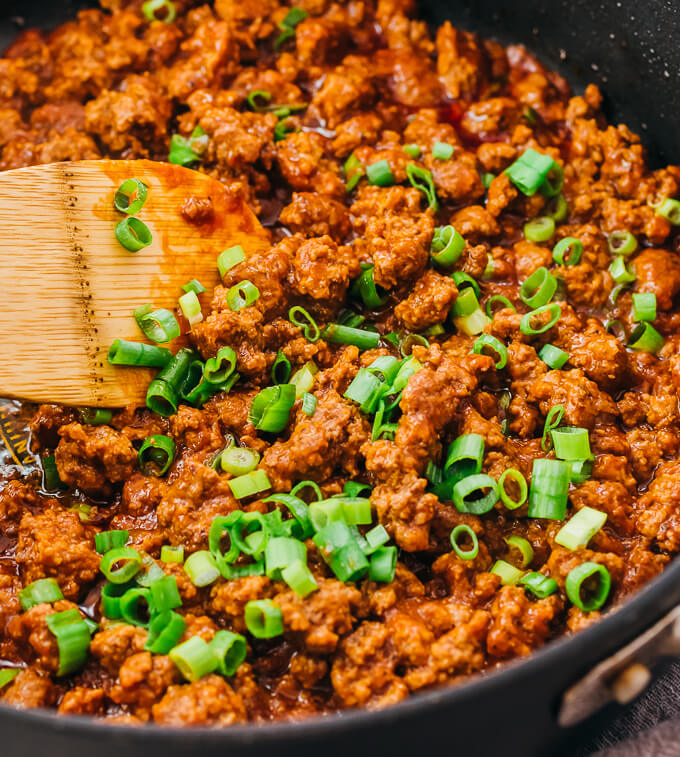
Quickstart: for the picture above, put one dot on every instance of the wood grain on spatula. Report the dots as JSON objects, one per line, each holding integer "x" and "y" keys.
{"x": 69, "y": 287}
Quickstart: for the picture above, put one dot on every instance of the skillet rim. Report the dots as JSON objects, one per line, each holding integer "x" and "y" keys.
{"x": 635, "y": 614}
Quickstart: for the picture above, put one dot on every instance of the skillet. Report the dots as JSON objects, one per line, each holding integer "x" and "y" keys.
{"x": 628, "y": 48}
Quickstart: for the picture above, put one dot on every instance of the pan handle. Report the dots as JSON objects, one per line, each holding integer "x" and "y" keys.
{"x": 624, "y": 675}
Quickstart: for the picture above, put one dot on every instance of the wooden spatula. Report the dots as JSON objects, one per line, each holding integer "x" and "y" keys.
{"x": 69, "y": 287}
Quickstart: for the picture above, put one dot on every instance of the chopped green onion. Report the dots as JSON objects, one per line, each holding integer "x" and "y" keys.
{"x": 230, "y": 650}
{"x": 185, "y": 152}
{"x": 299, "y": 577}
{"x": 280, "y": 552}
{"x": 365, "y": 287}
{"x": 670, "y": 210}
{"x": 540, "y": 229}
{"x": 553, "y": 310}
{"x": 299, "y": 317}
{"x": 523, "y": 547}
{"x": 353, "y": 171}
{"x": 99, "y": 416}
{"x": 157, "y": 325}
{"x": 622, "y": 243}
{"x": 571, "y": 443}
{"x": 162, "y": 393}
{"x": 7, "y": 675}
{"x": 552, "y": 421}
{"x": 242, "y": 295}
{"x": 366, "y": 389}
{"x": 549, "y": 489}
{"x": 442, "y": 150}
{"x": 303, "y": 379}
{"x": 172, "y": 554}
{"x": 644, "y": 306}
{"x": 298, "y": 508}
{"x": 270, "y": 408}
{"x": 581, "y": 579}
{"x": 553, "y": 188}
{"x": 646, "y": 338}
{"x": 581, "y": 528}
{"x": 258, "y": 94}
{"x": 620, "y": 272}
{"x": 230, "y": 258}
{"x": 487, "y": 178}
{"x": 518, "y": 478}
{"x": 464, "y": 490}
{"x": 413, "y": 151}
{"x": 408, "y": 342}
{"x": 307, "y": 484}
{"x": 156, "y": 454}
{"x": 130, "y": 196}
{"x": 539, "y": 585}
{"x": 132, "y": 606}
{"x": 553, "y": 356}
{"x": 571, "y": 246}
{"x": 308, "y": 404}
{"x": 530, "y": 171}
{"x": 375, "y": 538}
{"x": 165, "y": 630}
{"x": 580, "y": 470}
{"x": 251, "y": 483}
{"x": 383, "y": 564}
{"x": 191, "y": 308}
{"x": 281, "y": 369}
{"x": 457, "y": 534}
{"x": 106, "y": 540}
{"x": 239, "y": 460}
{"x": 422, "y": 180}
{"x": 194, "y": 658}
{"x": 219, "y": 368}
{"x": 340, "y": 548}
{"x": 504, "y": 301}
{"x": 133, "y": 234}
{"x": 337, "y": 334}
{"x": 193, "y": 286}
{"x": 447, "y": 246}
{"x": 287, "y": 26}
{"x": 263, "y": 619}
{"x": 73, "y": 639}
{"x": 464, "y": 457}
{"x": 110, "y": 598}
{"x": 487, "y": 342}
{"x": 380, "y": 174}
{"x": 151, "y": 7}
{"x": 463, "y": 280}
{"x": 509, "y": 573}
{"x": 201, "y": 568}
{"x": 538, "y": 289}
{"x": 557, "y": 209}
{"x": 131, "y": 564}
{"x": 123, "y": 352}
{"x": 42, "y": 591}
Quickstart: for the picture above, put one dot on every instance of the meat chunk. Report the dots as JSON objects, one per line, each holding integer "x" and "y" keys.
{"x": 209, "y": 701}
{"x": 94, "y": 457}
{"x": 55, "y": 544}
{"x": 323, "y": 617}
{"x": 310, "y": 214}
{"x": 329, "y": 440}
{"x": 406, "y": 511}
{"x": 658, "y": 271}
{"x": 519, "y": 625}
{"x": 429, "y": 302}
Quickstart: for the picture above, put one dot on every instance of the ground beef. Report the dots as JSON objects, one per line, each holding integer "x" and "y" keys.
{"x": 356, "y": 84}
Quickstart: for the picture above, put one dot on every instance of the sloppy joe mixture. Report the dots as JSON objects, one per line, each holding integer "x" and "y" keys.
{"x": 434, "y": 426}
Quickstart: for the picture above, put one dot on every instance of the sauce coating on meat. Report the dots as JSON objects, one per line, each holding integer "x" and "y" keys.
{"x": 362, "y": 80}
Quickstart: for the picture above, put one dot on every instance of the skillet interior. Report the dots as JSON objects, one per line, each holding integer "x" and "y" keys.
{"x": 635, "y": 60}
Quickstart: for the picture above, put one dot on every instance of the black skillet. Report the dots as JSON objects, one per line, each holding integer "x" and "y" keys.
{"x": 629, "y": 48}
